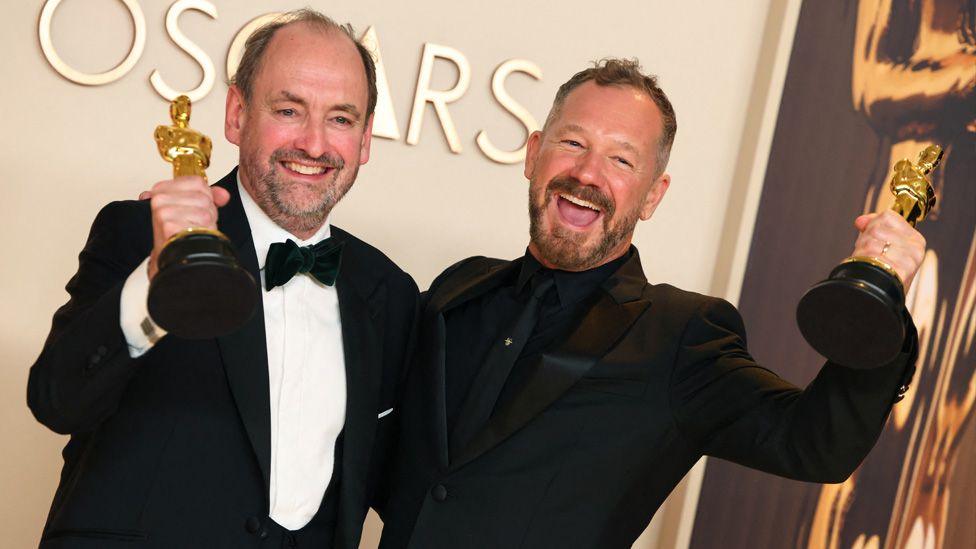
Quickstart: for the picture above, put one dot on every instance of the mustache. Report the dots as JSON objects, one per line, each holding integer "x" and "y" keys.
{"x": 294, "y": 155}
{"x": 572, "y": 186}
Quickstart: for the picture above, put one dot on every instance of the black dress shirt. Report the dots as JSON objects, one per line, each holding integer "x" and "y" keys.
{"x": 473, "y": 327}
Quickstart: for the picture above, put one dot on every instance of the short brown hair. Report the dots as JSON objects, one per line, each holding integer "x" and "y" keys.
{"x": 259, "y": 40}
{"x": 625, "y": 72}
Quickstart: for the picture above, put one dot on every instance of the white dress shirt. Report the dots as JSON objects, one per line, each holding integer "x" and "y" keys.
{"x": 306, "y": 370}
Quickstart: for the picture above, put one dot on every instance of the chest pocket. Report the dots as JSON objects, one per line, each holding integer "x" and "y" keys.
{"x": 634, "y": 388}
{"x": 614, "y": 376}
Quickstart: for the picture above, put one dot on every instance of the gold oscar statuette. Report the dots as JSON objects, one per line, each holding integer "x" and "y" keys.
{"x": 200, "y": 290}
{"x": 856, "y": 316}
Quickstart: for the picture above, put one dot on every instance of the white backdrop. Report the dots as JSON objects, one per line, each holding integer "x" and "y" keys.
{"x": 66, "y": 150}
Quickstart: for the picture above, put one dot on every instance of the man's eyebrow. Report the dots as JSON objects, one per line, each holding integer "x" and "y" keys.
{"x": 348, "y": 108}
{"x": 626, "y": 145}
{"x": 343, "y": 107}
{"x": 288, "y": 96}
{"x": 570, "y": 128}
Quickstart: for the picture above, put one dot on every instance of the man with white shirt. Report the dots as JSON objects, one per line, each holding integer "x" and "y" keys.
{"x": 275, "y": 435}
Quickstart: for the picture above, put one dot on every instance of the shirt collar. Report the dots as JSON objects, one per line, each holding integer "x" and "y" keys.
{"x": 265, "y": 232}
{"x": 570, "y": 286}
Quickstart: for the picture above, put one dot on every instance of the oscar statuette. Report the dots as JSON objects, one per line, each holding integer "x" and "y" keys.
{"x": 200, "y": 290}
{"x": 856, "y": 317}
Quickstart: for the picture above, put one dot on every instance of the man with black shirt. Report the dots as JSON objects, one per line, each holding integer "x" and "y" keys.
{"x": 558, "y": 398}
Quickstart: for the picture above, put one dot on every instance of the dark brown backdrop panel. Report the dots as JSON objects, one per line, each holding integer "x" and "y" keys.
{"x": 826, "y": 158}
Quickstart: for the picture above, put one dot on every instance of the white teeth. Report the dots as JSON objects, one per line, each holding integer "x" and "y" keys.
{"x": 579, "y": 202}
{"x": 305, "y": 170}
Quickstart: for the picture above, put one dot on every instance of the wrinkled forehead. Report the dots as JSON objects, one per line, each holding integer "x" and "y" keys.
{"x": 617, "y": 110}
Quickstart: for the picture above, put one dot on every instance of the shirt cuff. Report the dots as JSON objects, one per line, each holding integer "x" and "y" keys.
{"x": 140, "y": 332}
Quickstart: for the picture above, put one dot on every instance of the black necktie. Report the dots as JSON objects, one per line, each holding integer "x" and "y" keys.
{"x": 286, "y": 259}
{"x": 501, "y": 357}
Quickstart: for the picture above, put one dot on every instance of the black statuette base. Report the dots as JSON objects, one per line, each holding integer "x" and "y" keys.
{"x": 855, "y": 318}
{"x": 200, "y": 290}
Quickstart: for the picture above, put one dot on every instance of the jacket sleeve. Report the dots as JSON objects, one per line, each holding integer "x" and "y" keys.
{"x": 83, "y": 369}
{"x": 737, "y": 410}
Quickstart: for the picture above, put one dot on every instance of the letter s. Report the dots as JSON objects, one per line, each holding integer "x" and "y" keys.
{"x": 180, "y": 39}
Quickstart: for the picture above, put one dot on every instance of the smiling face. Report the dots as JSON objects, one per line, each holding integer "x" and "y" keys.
{"x": 304, "y": 132}
{"x": 593, "y": 174}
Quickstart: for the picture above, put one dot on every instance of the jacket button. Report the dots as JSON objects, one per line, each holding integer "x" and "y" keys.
{"x": 252, "y": 525}
{"x": 439, "y": 492}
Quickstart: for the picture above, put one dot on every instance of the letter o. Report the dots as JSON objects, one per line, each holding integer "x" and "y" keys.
{"x": 86, "y": 79}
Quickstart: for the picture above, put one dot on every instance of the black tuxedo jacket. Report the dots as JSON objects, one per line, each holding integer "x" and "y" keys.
{"x": 611, "y": 418}
{"x": 173, "y": 449}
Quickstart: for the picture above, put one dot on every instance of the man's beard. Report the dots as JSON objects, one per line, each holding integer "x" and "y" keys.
{"x": 567, "y": 249}
{"x": 270, "y": 189}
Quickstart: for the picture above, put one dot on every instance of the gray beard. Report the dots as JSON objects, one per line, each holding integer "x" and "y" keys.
{"x": 268, "y": 191}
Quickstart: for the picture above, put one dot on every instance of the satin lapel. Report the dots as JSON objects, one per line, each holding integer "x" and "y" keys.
{"x": 434, "y": 381}
{"x": 462, "y": 287}
{"x": 361, "y": 299}
{"x": 244, "y": 352}
{"x": 618, "y": 306}
{"x": 455, "y": 291}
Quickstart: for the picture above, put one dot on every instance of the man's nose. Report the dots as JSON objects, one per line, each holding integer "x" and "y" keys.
{"x": 587, "y": 169}
{"x": 314, "y": 140}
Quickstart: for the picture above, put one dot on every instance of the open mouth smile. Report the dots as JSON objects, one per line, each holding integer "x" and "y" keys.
{"x": 576, "y": 212}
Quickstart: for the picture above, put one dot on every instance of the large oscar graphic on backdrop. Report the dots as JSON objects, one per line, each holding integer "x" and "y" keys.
{"x": 869, "y": 83}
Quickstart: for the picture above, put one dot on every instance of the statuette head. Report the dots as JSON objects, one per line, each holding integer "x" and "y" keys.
{"x": 179, "y": 111}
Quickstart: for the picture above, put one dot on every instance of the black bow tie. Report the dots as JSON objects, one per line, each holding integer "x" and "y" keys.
{"x": 286, "y": 259}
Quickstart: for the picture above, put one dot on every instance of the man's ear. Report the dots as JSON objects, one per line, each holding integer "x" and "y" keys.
{"x": 654, "y": 196}
{"x": 531, "y": 150}
{"x": 367, "y": 141}
{"x": 234, "y": 115}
